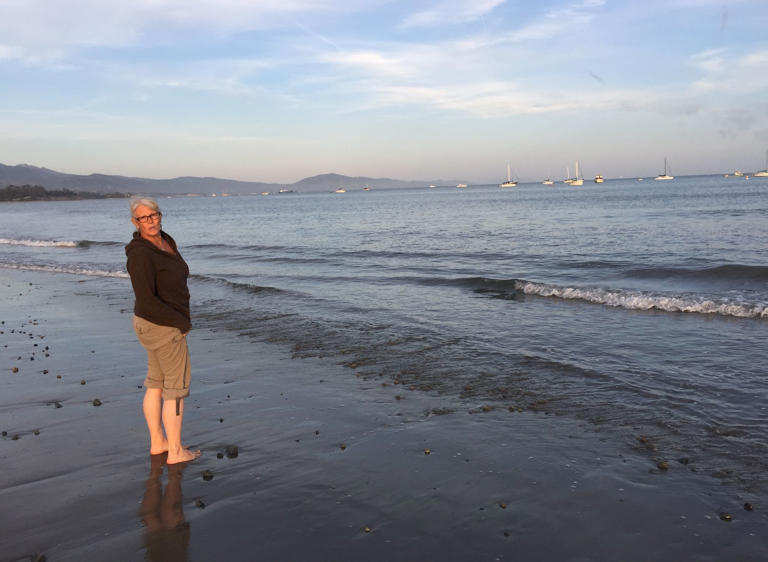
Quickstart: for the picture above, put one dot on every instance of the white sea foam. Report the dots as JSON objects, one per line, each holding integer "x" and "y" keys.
{"x": 642, "y": 301}
{"x": 63, "y": 269}
{"x": 40, "y": 243}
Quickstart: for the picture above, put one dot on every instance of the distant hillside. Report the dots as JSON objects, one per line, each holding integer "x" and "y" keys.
{"x": 24, "y": 174}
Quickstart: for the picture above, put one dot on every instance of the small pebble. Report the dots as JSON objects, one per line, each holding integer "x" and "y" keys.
{"x": 207, "y": 475}
{"x": 15, "y": 438}
{"x": 342, "y": 446}
{"x": 4, "y": 433}
{"x": 232, "y": 452}
{"x": 747, "y": 506}
{"x": 726, "y": 516}
{"x": 663, "y": 465}
{"x": 221, "y": 420}
{"x": 367, "y": 529}
{"x": 200, "y": 504}
{"x": 427, "y": 451}
{"x": 15, "y": 370}
{"x": 58, "y": 376}
{"x": 219, "y": 455}
{"x": 502, "y": 505}
{"x": 58, "y": 404}
{"x": 96, "y": 402}
{"x": 45, "y": 371}
{"x": 82, "y": 381}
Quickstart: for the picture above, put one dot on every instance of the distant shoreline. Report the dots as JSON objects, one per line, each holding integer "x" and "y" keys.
{"x": 23, "y": 193}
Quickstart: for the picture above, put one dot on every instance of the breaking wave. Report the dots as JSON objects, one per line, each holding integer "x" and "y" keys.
{"x": 65, "y": 269}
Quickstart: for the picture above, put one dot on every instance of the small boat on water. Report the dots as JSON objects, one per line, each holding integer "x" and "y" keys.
{"x": 548, "y": 182}
{"x": 461, "y": 185}
{"x": 762, "y": 173}
{"x": 575, "y": 180}
{"x": 432, "y": 185}
{"x": 738, "y": 173}
{"x": 510, "y": 182}
{"x": 599, "y": 179}
{"x": 665, "y": 175}
{"x": 340, "y": 190}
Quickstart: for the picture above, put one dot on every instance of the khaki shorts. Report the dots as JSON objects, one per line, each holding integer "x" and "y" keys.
{"x": 167, "y": 358}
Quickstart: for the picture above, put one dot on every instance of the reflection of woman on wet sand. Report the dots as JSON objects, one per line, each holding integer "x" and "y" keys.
{"x": 161, "y": 321}
{"x": 167, "y": 532}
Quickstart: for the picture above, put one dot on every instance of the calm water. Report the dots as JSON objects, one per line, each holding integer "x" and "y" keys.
{"x": 639, "y": 306}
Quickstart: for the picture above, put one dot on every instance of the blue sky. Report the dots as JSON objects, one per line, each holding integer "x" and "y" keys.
{"x": 277, "y": 90}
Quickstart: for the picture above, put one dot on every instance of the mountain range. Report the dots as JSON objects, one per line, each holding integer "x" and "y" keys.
{"x": 24, "y": 174}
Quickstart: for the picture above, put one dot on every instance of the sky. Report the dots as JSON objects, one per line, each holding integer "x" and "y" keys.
{"x": 279, "y": 90}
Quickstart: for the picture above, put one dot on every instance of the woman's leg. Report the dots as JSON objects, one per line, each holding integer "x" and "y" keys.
{"x": 172, "y": 422}
{"x": 152, "y": 408}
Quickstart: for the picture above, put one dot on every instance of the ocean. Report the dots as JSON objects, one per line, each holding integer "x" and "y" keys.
{"x": 638, "y": 307}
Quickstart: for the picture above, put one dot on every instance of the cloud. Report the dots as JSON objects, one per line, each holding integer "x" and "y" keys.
{"x": 451, "y": 12}
{"x": 41, "y": 31}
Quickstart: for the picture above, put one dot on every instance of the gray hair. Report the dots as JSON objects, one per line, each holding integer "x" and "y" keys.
{"x": 146, "y": 201}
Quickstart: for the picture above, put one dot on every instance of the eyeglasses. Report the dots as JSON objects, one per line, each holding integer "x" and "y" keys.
{"x": 150, "y": 218}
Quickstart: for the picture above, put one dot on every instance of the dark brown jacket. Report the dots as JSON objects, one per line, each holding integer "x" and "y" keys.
{"x": 159, "y": 282}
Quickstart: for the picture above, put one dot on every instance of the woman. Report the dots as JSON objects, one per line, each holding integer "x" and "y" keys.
{"x": 161, "y": 321}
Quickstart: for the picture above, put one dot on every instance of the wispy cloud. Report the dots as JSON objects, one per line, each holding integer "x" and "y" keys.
{"x": 451, "y": 12}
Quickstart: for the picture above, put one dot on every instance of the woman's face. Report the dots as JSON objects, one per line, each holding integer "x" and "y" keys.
{"x": 151, "y": 227}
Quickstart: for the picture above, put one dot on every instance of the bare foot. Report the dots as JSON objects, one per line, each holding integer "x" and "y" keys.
{"x": 184, "y": 455}
{"x": 159, "y": 448}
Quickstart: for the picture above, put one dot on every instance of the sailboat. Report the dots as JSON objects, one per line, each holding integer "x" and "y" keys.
{"x": 509, "y": 182}
{"x": 548, "y": 182}
{"x": 762, "y": 173}
{"x": 665, "y": 175}
{"x": 575, "y": 180}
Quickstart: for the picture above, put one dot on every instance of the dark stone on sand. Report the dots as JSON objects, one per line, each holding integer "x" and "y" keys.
{"x": 57, "y": 404}
{"x": 82, "y": 381}
{"x": 4, "y": 433}
{"x": 317, "y": 432}
{"x": 200, "y": 504}
{"x": 684, "y": 460}
{"x": 232, "y": 452}
{"x": 398, "y": 397}
{"x": 748, "y": 507}
{"x": 342, "y": 446}
{"x": 207, "y": 475}
{"x": 15, "y": 438}
{"x": 725, "y": 516}
{"x": 38, "y": 558}
{"x": 663, "y": 465}
{"x": 219, "y": 455}
{"x": 45, "y": 371}
{"x": 221, "y": 420}
{"x": 96, "y": 402}
{"x": 15, "y": 370}
{"x": 37, "y": 432}
{"x": 502, "y": 505}
{"x": 58, "y": 376}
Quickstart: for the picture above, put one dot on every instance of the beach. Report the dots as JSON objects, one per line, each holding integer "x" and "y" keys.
{"x": 329, "y": 464}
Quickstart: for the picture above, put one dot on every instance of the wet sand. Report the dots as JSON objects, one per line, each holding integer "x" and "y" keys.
{"x": 329, "y": 466}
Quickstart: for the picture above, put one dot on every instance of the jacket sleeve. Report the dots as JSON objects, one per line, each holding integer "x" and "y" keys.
{"x": 142, "y": 273}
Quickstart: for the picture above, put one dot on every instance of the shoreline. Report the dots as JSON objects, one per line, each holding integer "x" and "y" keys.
{"x": 328, "y": 466}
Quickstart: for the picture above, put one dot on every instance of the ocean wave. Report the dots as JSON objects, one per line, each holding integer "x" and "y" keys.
{"x": 57, "y": 243}
{"x": 66, "y": 269}
{"x": 729, "y": 272}
{"x": 40, "y": 243}
{"x": 644, "y": 301}
{"x": 248, "y": 287}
